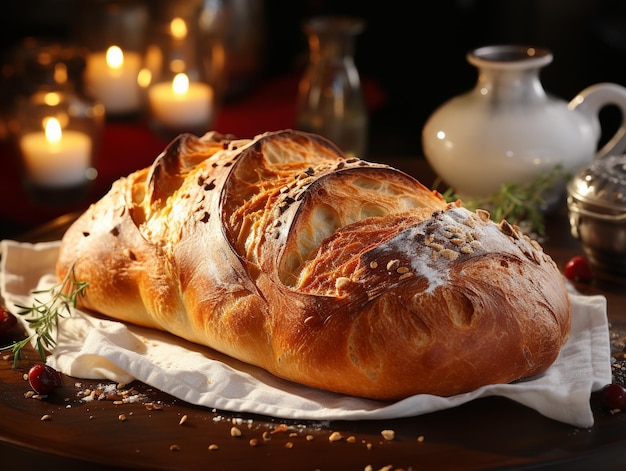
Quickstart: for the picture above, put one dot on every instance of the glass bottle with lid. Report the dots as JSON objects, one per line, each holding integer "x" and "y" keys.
{"x": 330, "y": 98}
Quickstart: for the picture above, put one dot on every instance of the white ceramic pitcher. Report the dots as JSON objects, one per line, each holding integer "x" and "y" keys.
{"x": 507, "y": 129}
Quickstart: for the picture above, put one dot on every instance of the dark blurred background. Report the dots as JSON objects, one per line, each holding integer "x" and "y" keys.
{"x": 414, "y": 50}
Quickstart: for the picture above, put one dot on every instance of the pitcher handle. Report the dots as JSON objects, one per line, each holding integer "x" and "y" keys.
{"x": 595, "y": 97}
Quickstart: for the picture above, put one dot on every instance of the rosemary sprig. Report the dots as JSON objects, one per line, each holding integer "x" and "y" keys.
{"x": 47, "y": 314}
{"x": 522, "y": 204}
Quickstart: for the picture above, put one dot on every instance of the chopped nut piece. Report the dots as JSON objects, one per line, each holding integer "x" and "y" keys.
{"x": 470, "y": 221}
{"x": 483, "y": 215}
{"x": 506, "y": 228}
{"x": 393, "y": 264}
{"x": 334, "y": 437}
{"x": 154, "y": 406}
{"x": 450, "y": 254}
{"x": 280, "y": 428}
{"x": 342, "y": 282}
{"x": 475, "y": 244}
{"x": 351, "y": 439}
{"x": 388, "y": 434}
{"x": 420, "y": 439}
{"x": 183, "y": 419}
{"x": 235, "y": 432}
{"x": 46, "y": 418}
{"x": 121, "y": 417}
{"x": 310, "y": 438}
{"x": 454, "y": 229}
{"x": 373, "y": 264}
{"x": 253, "y": 442}
{"x": 289, "y": 445}
{"x": 213, "y": 446}
{"x": 174, "y": 447}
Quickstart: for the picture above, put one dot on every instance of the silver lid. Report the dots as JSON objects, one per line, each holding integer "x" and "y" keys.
{"x": 601, "y": 184}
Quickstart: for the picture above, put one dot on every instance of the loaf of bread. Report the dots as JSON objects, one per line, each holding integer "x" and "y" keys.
{"x": 323, "y": 269}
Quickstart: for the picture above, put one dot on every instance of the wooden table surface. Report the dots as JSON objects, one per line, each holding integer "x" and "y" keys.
{"x": 489, "y": 433}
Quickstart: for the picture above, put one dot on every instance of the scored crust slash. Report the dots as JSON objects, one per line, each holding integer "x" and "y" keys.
{"x": 323, "y": 269}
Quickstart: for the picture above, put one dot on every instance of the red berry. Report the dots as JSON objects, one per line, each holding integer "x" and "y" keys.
{"x": 44, "y": 379}
{"x": 7, "y": 322}
{"x": 578, "y": 269}
{"x": 614, "y": 396}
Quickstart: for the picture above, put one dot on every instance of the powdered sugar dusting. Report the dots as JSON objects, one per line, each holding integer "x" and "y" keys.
{"x": 433, "y": 246}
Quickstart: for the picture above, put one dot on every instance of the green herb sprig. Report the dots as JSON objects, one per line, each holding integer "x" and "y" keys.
{"x": 522, "y": 204}
{"x": 47, "y": 314}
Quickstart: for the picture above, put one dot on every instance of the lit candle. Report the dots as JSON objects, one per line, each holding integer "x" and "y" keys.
{"x": 181, "y": 104}
{"x": 111, "y": 77}
{"x": 56, "y": 158}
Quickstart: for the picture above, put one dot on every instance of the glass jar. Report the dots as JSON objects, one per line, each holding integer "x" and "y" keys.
{"x": 37, "y": 62}
{"x": 330, "y": 98}
{"x": 57, "y": 131}
{"x": 238, "y": 28}
{"x": 57, "y": 135}
{"x": 114, "y": 35}
{"x": 182, "y": 75}
{"x": 33, "y": 63}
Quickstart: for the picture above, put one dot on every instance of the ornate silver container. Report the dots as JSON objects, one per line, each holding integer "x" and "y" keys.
{"x": 597, "y": 211}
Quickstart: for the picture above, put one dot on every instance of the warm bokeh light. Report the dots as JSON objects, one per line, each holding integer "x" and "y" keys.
{"x": 52, "y": 99}
{"x": 115, "y": 57}
{"x": 178, "y": 27}
{"x": 144, "y": 78}
{"x": 177, "y": 66}
{"x": 60, "y": 73}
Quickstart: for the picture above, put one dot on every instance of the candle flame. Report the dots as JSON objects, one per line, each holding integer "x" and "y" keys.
{"x": 178, "y": 27}
{"x": 53, "y": 130}
{"x": 180, "y": 84}
{"x": 115, "y": 57}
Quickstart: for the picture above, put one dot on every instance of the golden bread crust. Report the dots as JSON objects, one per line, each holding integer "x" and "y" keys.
{"x": 326, "y": 270}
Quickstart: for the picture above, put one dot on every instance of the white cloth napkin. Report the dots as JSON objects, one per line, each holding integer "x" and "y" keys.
{"x": 91, "y": 347}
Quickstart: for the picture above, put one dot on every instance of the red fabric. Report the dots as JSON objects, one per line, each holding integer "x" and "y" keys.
{"x": 128, "y": 146}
